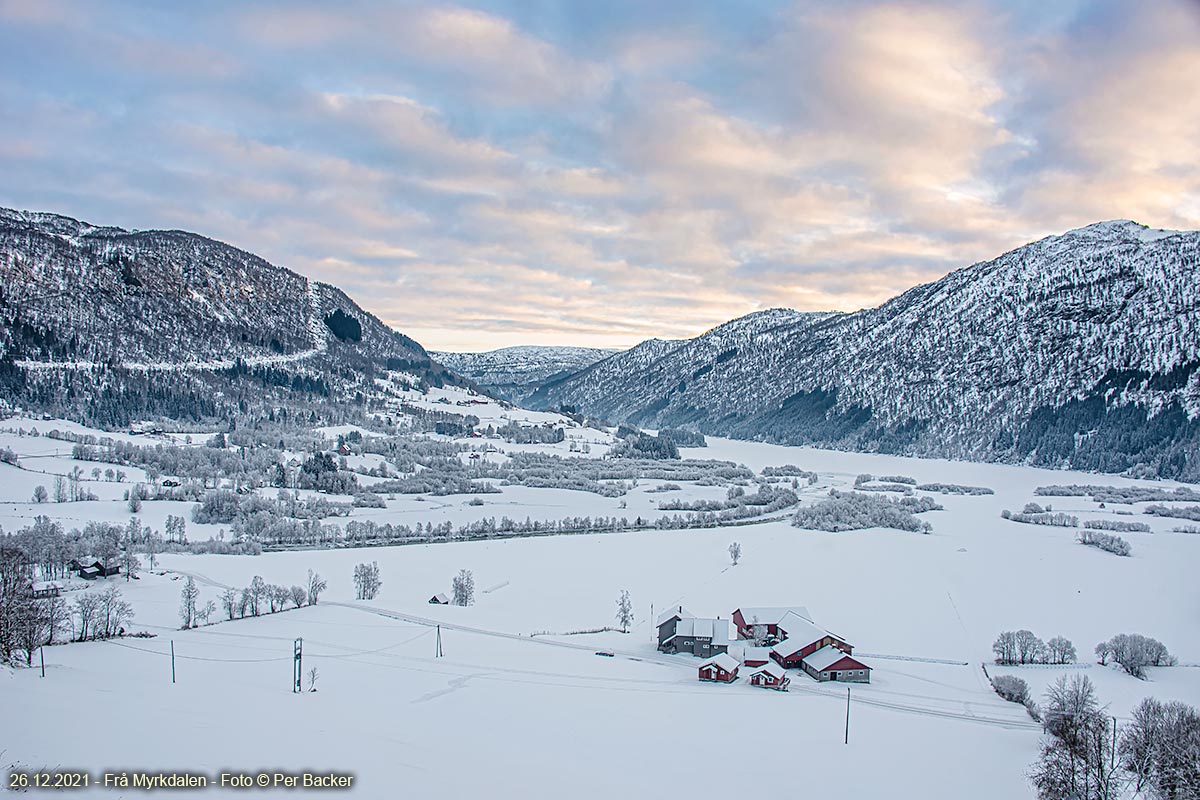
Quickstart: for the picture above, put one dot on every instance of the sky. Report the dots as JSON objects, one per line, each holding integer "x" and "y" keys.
{"x": 480, "y": 175}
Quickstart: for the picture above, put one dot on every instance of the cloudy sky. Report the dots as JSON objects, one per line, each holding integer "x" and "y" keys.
{"x": 598, "y": 173}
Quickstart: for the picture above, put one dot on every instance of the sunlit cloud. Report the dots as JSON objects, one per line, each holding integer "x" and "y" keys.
{"x": 493, "y": 174}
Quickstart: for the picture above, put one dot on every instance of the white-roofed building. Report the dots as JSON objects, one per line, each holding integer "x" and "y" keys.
{"x": 771, "y": 676}
{"x": 722, "y": 668}
{"x": 696, "y": 635}
{"x": 804, "y": 639}
{"x": 832, "y": 664}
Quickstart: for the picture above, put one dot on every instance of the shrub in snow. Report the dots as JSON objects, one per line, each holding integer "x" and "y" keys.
{"x": 372, "y": 500}
{"x": 955, "y": 488}
{"x": 1134, "y": 652}
{"x": 1186, "y": 529}
{"x": 1011, "y": 688}
{"x": 1032, "y": 508}
{"x": 8, "y": 456}
{"x": 1106, "y": 542}
{"x": 898, "y": 479}
{"x": 1186, "y": 512}
{"x": 1058, "y": 519}
{"x": 848, "y": 511}
{"x": 1117, "y": 525}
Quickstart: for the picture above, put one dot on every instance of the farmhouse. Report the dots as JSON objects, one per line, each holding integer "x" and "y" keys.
{"x": 722, "y": 668}
{"x": 770, "y": 676}
{"x": 680, "y": 632}
{"x": 771, "y": 618}
{"x": 832, "y": 664}
{"x": 97, "y": 570}
{"x": 44, "y": 589}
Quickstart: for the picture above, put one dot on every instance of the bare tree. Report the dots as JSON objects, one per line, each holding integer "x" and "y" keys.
{"x": 366, "y": 580}
{"x": 1160, "y": 748}
{"x": 735, "y": 552}
{"x": 312, "y": 679}
{"x": 624, "y": 611}
{"x": 229, "y": 602}
{"x": 463, "y": 587}
{"x": 1060, "y": 651}
{"x": 258, "y": 591}
{"x": 40, "y": 495}
{"x": 187, "y": 603}
{"x": 298, "y": 595}
{"x": 316, "y": 585}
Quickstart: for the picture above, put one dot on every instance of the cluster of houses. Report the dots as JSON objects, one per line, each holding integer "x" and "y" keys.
{"x": 96, "y": 569}
{"x": 775, "y": 640}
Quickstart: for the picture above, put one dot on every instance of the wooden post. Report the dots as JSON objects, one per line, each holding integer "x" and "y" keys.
{"x": 42, "y": 653}
{"x": 172, "y": 661}
{"x": 847, "y": 741}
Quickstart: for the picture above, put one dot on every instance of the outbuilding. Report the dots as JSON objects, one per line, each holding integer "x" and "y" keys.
{"x": 439, "y": 599}
{"x": 722, "y": 668}
{"x": 831, "y": 664}
{"x": 770, "y": 676}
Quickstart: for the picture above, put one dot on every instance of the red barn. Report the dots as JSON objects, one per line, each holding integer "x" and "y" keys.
{"x": 774, "y": 620}
{"x": 722, "y": 668}
{"x": 804, "y": 640}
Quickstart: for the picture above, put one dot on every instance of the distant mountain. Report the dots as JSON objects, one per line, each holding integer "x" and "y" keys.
{"x": 1078, "y": 350}
{"x": 512, "y": 373}
{"x": 113, "y": 322}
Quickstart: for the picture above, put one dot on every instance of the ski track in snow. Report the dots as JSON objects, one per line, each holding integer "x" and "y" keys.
{"x": 320, "y": 344}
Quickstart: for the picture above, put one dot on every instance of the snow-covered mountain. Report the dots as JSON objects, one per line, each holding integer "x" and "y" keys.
{"x": 1079, "y": 349}
{"x": 86, "y": 310}
{"x": 512, "y": 373}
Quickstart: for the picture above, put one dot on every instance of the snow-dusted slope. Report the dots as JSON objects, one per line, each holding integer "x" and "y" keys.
{"x": 513, "y": 372}
{"x": 75, "y": 298}
{"x": 1057, "y": 351}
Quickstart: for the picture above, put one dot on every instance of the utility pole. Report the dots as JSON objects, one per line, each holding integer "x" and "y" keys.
{"x": 847, "y": 741}
{"x": 172, "y": 661}
{"x": 297, "y": 665}
{"x": 42, "y": 653}
{"x": 438, "y": 652}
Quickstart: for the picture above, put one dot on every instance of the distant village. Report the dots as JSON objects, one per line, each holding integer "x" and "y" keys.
{"x": 769, "y": 642}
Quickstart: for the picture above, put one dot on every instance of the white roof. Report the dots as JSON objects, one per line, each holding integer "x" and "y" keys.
{"x": 441, "y": 597}
{"x": 772, "y": 616}
{"x": 771, "y": 668}
{"x": 756, "y": 654}
{"x": 41, "y": 586}
{"x": 715, "y": 629}
{"x": 724, "y": 661}
{"x": 800, "y": 634}
{"x": 672, "y": 613}
{"x": 824, "y": 658}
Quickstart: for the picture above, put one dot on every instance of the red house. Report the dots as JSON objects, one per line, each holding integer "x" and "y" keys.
{"x": 770, "y": 676}
{"x": 722, "y": 668}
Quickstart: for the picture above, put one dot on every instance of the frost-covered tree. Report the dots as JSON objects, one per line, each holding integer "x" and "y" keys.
{"x": 1060, "y": 650}
{"x": 40, "y": 495}
{"x": 624, "y": 611}
{"x": 1076, "y": 757}
{"x": 316, "y": 585}
{"x": 229, "y": 602}
{"x": 298, "y": 595}
{"x": 1160, "y": 748}
{"x": 188, "y": 598}
{"x": 463, "y": 588}
{"x": 366, "y": 580}
{"x": 313, "y": 674}
{"x": 735, "y": 552}
{"x": 1134, "y": 652}
{"x": 258, "y": 592}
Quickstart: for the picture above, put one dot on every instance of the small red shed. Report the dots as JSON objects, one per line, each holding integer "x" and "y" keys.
{"x": 722, "y": 668}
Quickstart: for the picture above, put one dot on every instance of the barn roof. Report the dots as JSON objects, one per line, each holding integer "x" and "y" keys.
{"x": 828, "y": 656}
{"x": 802, "y": 633}
{"x": 756, "y": 654}
{"x": 773, "y": 615}
{"x": 723, "y": 661}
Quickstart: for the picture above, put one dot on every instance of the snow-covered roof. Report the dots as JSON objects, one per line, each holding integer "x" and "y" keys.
{"x": 800, "y": 634}
{"x": 773, "y": 615}
{"x": 715, "y": 629}
{"x": 672, "y": 613}
{"x": 724, "y": 661}
{"x": 771, "y": 668}
{"x": 756, "y": 654}
{"x": 44, "y": 586}
{"x": 826, "y": 657}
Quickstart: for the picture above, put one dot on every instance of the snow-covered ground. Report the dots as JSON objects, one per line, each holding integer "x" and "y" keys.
{"x": 506, "y": 713}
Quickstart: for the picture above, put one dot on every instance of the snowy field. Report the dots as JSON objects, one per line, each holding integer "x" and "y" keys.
{"x": 507, "y": 713}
